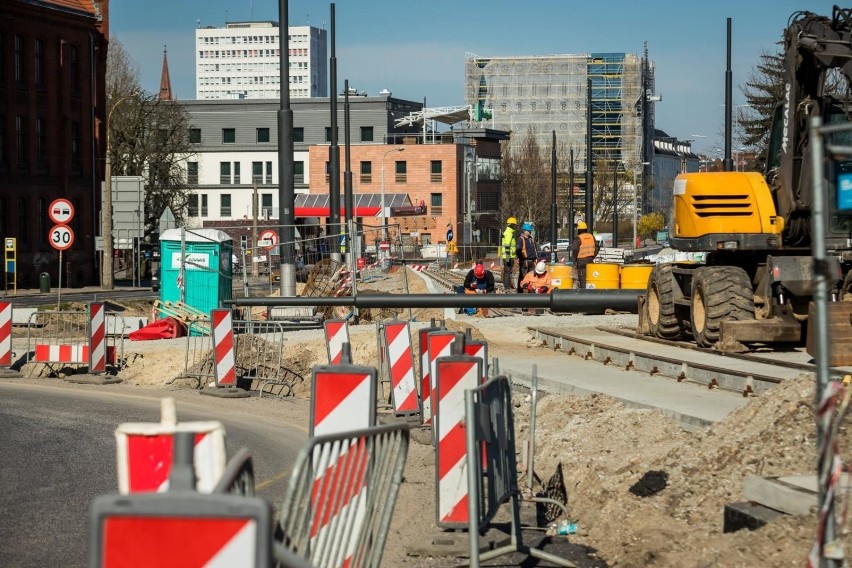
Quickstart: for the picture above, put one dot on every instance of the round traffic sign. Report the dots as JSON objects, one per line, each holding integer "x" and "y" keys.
{"x": 61, "y": 211}
{"x": 61, "y": 237}
{"x": 268, "y": 239}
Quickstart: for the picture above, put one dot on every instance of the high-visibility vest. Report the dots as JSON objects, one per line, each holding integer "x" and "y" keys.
{"x": 587, "y": 246}
{"x": 507, "y": 243}
{"x": 527, "y": 248}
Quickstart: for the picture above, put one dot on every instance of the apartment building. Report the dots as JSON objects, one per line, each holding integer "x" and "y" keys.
{"x": 242, "y": 61}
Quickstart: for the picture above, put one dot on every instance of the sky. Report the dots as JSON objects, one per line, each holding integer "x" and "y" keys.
{"x": 417, "y": 49}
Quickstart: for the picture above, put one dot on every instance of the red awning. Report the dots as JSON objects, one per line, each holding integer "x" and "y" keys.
{"x": 364, "y": 211}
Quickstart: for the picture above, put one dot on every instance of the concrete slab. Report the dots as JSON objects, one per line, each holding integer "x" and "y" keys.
{"x": 21, "y": 316}
{"x": 124, "y": 325}
{"x": 791, "y": 494}
{"x": 747, "y": 515}
{"x": 223, "y": 392}
{"x": 692, "y": 405}
{"x": 87, "y": 379}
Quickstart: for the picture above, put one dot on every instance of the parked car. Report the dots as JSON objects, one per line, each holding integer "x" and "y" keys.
{"x": 561, "y": 244}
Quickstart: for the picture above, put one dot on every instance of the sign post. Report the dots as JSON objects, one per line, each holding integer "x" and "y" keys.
{"x": 61, "y": 236}
{"x": 11, "y": 263}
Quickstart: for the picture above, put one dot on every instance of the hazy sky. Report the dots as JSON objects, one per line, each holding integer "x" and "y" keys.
{"x": 416, "y": 49}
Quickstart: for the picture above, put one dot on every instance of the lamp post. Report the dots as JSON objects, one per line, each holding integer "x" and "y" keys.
{"x": 107, "y": 277}
{"x": 384, "y": 220}
{"x": 635, "y": 204}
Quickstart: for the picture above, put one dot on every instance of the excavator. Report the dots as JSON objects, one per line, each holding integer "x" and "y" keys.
{"x": 755, "y": 285}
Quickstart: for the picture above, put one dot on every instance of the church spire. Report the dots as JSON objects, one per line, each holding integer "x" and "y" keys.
{"x": 165, "y": 81}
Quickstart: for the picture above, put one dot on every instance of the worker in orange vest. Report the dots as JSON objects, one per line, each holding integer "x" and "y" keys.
{"x": 584, "y": 249}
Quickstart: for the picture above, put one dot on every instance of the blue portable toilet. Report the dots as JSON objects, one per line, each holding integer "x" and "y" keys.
{"x": 208, "y": 267}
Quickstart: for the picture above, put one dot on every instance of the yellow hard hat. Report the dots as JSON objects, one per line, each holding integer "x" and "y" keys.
{"x": 582, "y": 226}
{"x": 511, "y": 221}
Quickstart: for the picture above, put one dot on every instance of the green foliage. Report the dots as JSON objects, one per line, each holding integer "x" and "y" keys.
{"x": 649, "y": 224}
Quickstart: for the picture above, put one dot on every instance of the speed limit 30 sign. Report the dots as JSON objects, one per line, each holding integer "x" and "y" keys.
{"x": 61, "y": 237}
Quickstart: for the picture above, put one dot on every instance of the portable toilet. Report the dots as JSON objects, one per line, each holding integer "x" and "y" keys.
{"x": 208, "y": 267}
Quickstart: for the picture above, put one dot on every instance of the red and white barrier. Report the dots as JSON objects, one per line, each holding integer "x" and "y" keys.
{"x": 440, "y": 345}
{"x": 336, "y": 334}
{"x": 223, "y": 348}
{"x": 454, "y": 375}
{"x": 97, "y": 338}
{"x": 425, "y": 383}
{"x": 343, "y": 398}
{"x": 67, "y": 353}
{"x": 419, "y": 267}
{"x": 5, "y": 334}
{"x": 478, "y": 349}
{"x": 397, "y": 349}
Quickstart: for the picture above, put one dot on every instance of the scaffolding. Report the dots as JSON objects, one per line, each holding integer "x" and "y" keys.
{"x": 550, "y": 92}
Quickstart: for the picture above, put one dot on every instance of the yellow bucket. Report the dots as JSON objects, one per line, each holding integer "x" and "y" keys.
{"x": 561, "y": 275}
{"x": 635, "y": 276}
{"x": 602, "y": 276}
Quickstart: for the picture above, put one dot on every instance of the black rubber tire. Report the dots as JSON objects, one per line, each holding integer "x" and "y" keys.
{"x": 662, "y": 291}
{"x": 719, "y": 293}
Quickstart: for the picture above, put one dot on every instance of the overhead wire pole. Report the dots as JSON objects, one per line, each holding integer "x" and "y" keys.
{"x": 333, "y": 155}
{"x": 348, "y": 197}
{"x": 553, "y": 240}
{"x": 728, "y": 164}
{"x": 590, "y": 180}
{"x": 286, "y": 186}
{"x": 571, "y": 196}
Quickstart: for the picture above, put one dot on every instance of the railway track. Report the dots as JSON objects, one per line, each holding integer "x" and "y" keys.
{"x": 449, "y": 280}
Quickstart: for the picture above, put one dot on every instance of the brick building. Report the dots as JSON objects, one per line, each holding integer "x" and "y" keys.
{"x": 52, "y": 105}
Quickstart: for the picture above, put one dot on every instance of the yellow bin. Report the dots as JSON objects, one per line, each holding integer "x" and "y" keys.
{"x": 603, "y": 276}
{"x": 635, "y": 276}
{"x": 561, "y": 275}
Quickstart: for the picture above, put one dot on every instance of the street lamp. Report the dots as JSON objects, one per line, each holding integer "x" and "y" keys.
{"x": 106, "y": 228}
{"x": 384, "y": 220}
{"x": 635, "y": 204}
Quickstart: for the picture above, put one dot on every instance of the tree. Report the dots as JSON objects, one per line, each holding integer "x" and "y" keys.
{"x": 149, "y": 137}
{"x": 526, "y": 181}
{"x": 763, "y": 90}
{"x": 649, "y": 224}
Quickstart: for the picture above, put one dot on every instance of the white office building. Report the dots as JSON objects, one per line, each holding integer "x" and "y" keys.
{"x": 241, "y": 61}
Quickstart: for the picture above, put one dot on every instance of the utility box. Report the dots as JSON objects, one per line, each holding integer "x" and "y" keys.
{"x": 207, "y": 263}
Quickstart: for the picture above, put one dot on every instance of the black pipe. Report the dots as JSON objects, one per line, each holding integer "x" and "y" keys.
{"x": 560, "y": 301}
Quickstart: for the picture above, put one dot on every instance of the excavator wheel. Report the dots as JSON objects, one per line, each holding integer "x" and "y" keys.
{"x": 662, "y": 291}
{"x": 719, "y": 293}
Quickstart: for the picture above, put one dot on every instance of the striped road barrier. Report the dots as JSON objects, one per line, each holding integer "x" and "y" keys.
{"x": 336, "y": 334}
{"x": 396, "y": 353}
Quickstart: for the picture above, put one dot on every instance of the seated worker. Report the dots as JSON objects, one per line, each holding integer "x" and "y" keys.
{"x": 537, "y": 281}
{"x": 479, "y": 281}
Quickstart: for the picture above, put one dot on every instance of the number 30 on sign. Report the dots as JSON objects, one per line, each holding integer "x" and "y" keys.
{"x": 61, "y": 237}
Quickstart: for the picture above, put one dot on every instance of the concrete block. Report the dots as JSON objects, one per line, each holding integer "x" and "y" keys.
{"x": 21, "y": 316}
{"x": 747, "y": 515}
{"x": 792, "y": 494}
{"x": 124, "y": 325}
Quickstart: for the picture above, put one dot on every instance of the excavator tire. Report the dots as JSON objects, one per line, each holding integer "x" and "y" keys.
{"x": 719, "y": 293}
{"x": 662, "y": 291}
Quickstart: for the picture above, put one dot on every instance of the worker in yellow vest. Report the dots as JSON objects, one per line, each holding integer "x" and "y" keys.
{"x": 507, "y": 252}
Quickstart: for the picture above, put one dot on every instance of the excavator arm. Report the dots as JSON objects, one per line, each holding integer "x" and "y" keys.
{"x": 813, "y": 46}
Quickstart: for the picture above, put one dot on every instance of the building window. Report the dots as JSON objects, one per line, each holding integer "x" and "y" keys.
{"x": 39, "y": 63}
{"x": 299, "y": 172}
{"x": 266, "y": 205}
{"x": 20, "y": 75}
{"x": 2, "y": 62}
{"x": 299, "y": 134}
{"x": 401, "y": 171}
{"x": 268, "y": 172}
{"x": 41, "y": 144}
{"x": 435, "y": 170}
{"x": 236, "y": 172}
{"x": 3, "y": 224}
{"x": 262, "y": 135}
{"x": 24, "y": 223}
{"x": 204, "y": 205}
{"x": 436, "y": 202}
{"x": 229, "y": 136}
{"x": 192, "y": 173}
{"x": 224, "y": 172}
{"x": 328, "y": 172}
{"x": 76, "y": 224}
{"x": 41, "y": 216}
{"x": 3, "y": 163}
{"x": 366, "y": 134}
{"x": 257, "y": 172}
{"x": 74, "y": 66}
{"x": 225, "y": 205}
{"x": 192, "y": 205}
{"x": 75, "y": 144}
{"x": 195, "y": 136}
{"x": 21, "y": 141}
{"x": 328, "y": 133}
{"x": 366, "y": 172}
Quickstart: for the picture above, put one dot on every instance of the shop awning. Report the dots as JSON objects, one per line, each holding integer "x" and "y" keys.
{"x": 366, "y": 204}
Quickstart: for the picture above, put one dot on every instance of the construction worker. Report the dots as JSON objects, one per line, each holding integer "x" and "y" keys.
{"x": 537, "y": 281}
{"x": 507, "y": 243}
{"x": 526, "y": 252}
{"x": 584, "y": 249}
{"x": 479, "y": 280}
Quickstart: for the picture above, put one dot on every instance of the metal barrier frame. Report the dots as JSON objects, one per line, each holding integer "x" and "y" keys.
{"x": 72, "y": 327}
{"x": 383, "y": 450}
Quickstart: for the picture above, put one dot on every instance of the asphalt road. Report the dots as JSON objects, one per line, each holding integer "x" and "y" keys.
{"x": 58, "y": 452}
